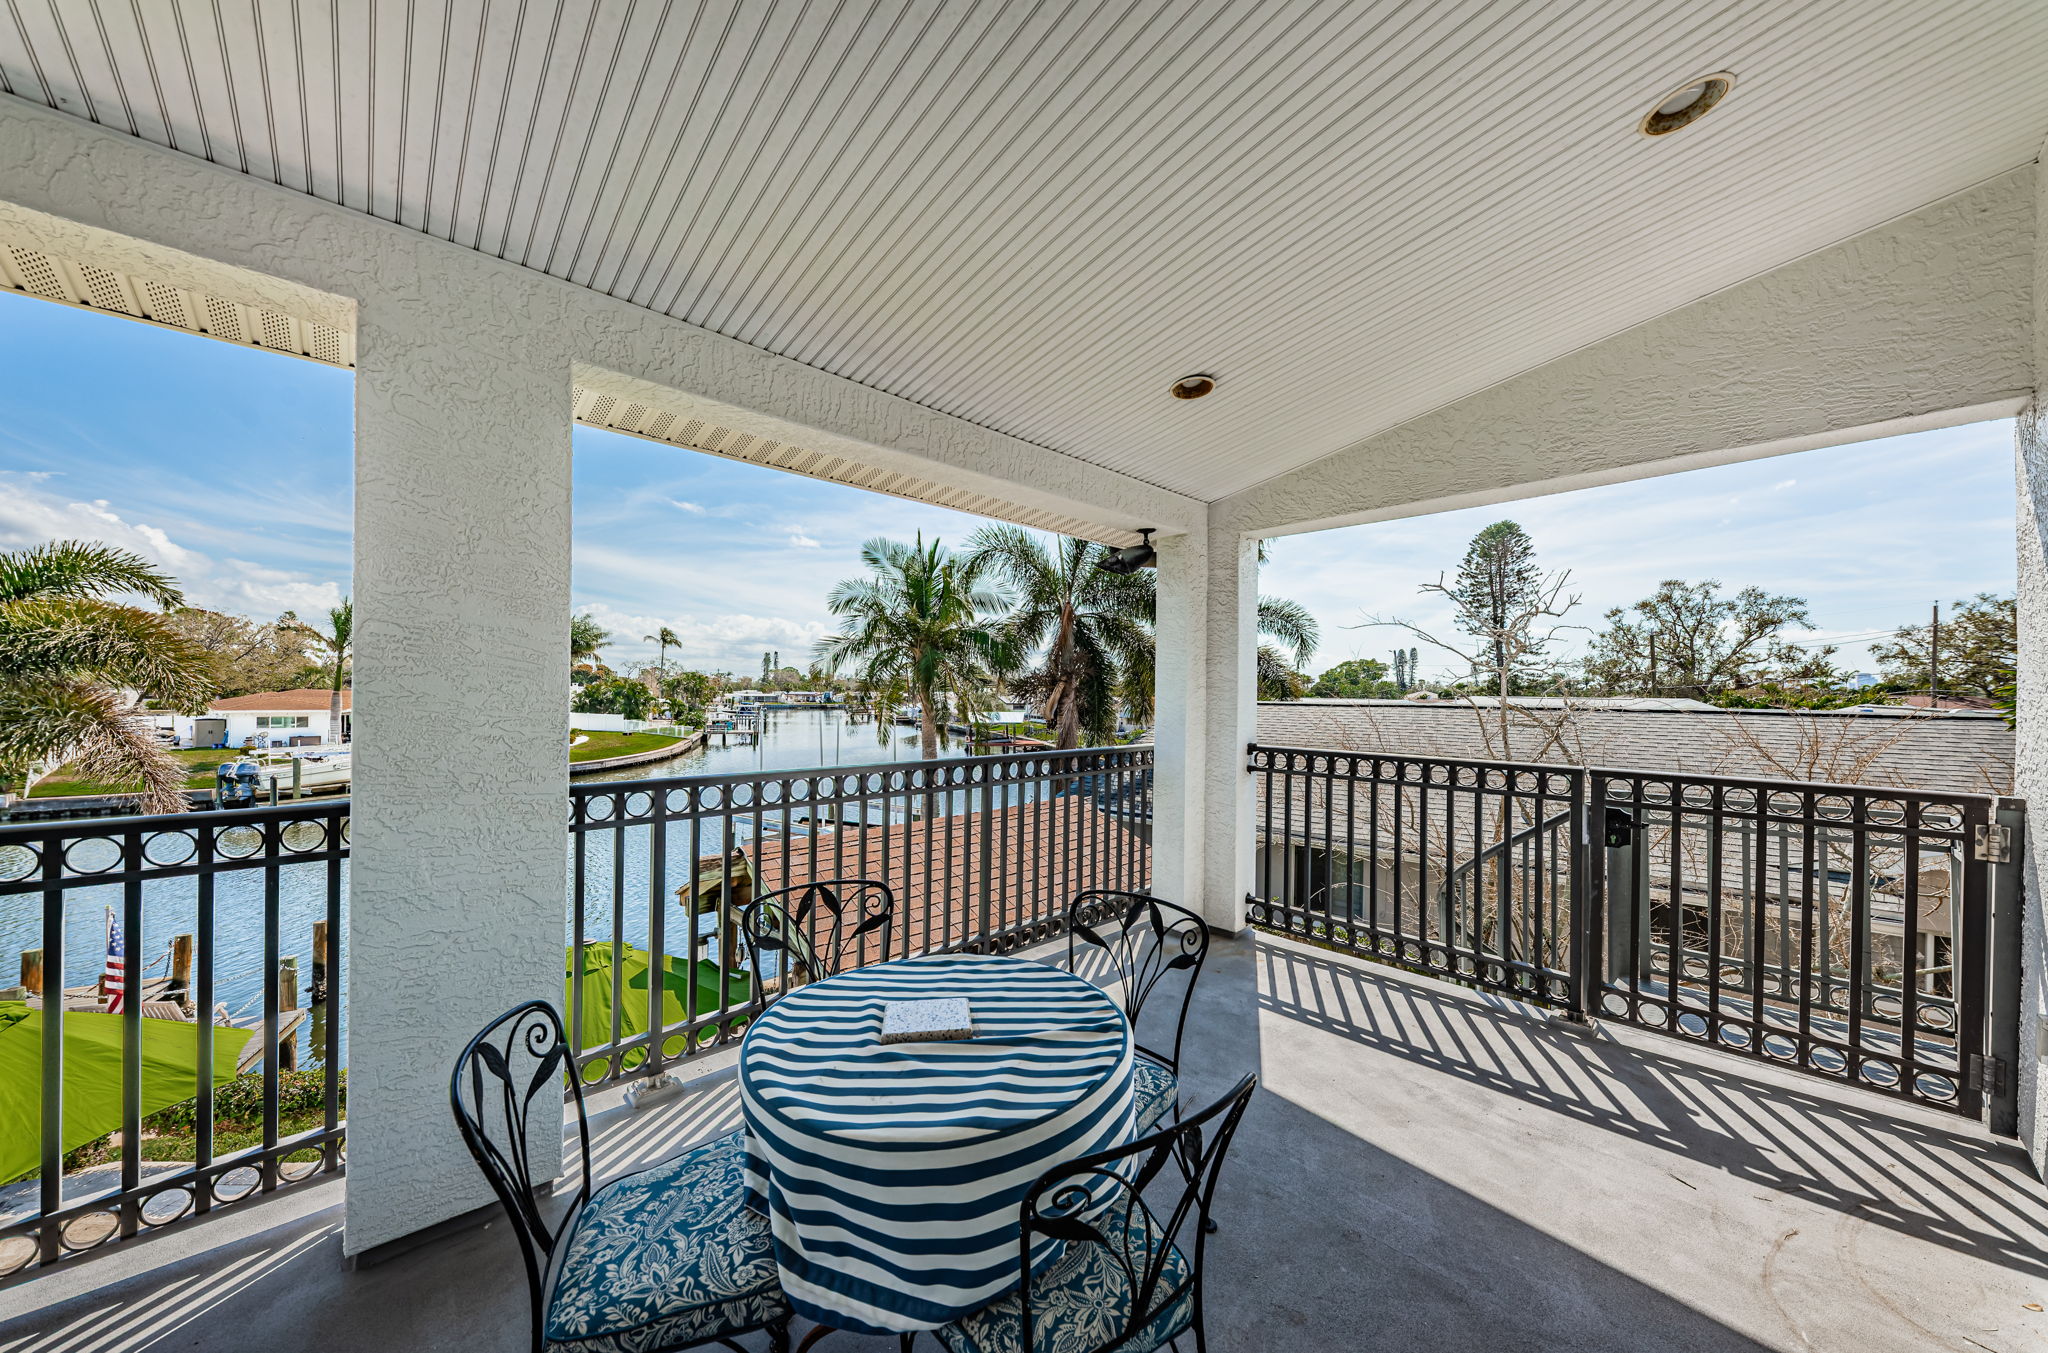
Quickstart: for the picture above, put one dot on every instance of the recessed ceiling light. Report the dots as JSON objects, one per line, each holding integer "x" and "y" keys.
{"x": 1192, "y": 387}
{"x": 1687, "y": 104}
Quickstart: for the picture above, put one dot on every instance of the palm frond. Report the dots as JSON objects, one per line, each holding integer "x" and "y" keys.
{"x": 83, "y": 569}
{"x": 1290, "y": 623}
{"x": 86, "y": 639}
{"x": 92, "y": 730}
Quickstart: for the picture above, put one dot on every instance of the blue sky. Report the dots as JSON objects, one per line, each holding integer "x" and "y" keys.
{"x": 230, "y": 467}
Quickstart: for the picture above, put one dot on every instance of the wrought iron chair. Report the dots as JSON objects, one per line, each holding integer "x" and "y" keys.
{"x": 815, "y": 930}
{"x": 666, "y": 1258}
{"x": 1147, "y": 940}
{"x": 1123, "y": 1281}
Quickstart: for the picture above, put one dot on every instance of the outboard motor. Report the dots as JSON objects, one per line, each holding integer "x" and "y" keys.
{"x": 234, "y": 783}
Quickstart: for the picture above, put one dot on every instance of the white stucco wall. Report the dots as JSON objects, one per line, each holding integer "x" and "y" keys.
{"x": 1179, "y": 704}
{"x": 456, "y": 884}
{"x": 1231, "y": 725}
{"x": 2031, "y": 752}
{"x": 1923, "y": 322}
{"x": 1205, "y": 707}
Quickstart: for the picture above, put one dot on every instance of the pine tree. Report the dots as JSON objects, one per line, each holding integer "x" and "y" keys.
{"x": 1497, "y": 581}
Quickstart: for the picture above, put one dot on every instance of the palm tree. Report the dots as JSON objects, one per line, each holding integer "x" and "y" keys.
{"x": 1092, "y": 625}
{"x": 687, "y": 693}
{"x": 70, "y": 658}
{"x": 586, "y": 637}
{"x": 1290, "y": 623}
{"x": 665, "y": 637}
{"x": 335, "y": 641}
{"x": 915, "y": 629}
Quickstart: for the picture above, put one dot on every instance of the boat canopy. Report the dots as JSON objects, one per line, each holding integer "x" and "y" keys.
{"x": 92, "y": 1076}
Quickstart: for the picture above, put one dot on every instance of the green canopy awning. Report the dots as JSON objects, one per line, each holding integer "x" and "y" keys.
{"x": 634, "y": 968}
{"x": 92, "y": 1077}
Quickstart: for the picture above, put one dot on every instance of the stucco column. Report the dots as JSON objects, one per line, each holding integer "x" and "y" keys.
{"x": 2031, "y": 766}
{"x": 2030, "y": 435}
{"x": 1231, "y": 724}
{"x": 1180, "y": 638}
{"x": 1201, "y": 811}
{"x": 459, "y": 840}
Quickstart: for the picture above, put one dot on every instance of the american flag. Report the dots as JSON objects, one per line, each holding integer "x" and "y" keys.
{"x": 115, "y": 978}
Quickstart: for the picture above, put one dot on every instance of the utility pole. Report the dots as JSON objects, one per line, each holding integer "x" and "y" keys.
{"x": 1934, "y": 660}
{"x": 1653, "y": 664}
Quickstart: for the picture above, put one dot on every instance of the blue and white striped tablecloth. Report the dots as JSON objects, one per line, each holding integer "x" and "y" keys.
{"x": 891, "y": 1173}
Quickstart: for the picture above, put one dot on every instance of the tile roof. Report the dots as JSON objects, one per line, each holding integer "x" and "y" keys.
{"x": 1960, "y": 752}
{"x": 1039, "y": 856}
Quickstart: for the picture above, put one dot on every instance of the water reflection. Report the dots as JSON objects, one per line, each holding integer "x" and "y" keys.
{"x": 790, "y": 740}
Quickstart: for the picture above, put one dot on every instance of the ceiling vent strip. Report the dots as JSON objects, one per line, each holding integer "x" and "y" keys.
{"x": 93, "y": 287}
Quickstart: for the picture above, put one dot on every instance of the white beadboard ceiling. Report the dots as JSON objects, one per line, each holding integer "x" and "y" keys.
{"x": 1034, "y": 215}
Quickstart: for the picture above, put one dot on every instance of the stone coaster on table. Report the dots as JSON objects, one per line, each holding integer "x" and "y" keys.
{"x": 926, "y": 1021}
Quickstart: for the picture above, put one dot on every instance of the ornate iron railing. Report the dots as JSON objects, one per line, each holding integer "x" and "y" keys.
{"x": 219, "y": 908}
{"x": 1860, "y": 933}
{"x": 981, "y": 853}
{"x": 220, "y": 1077}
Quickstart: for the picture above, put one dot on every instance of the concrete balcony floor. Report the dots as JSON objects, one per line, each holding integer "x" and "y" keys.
{"x": 1423, "y": 1169}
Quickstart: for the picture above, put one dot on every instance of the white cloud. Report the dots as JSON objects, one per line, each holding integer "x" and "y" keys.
{"x": 31, "y": 515}
{"x": 697, "y": 508}
{"x": 730, "y": 642}
{"x": 802, "y": 541}
{"x": 1868, "y": 534}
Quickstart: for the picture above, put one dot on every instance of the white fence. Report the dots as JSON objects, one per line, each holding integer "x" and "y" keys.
{"x": 617, "y": 723}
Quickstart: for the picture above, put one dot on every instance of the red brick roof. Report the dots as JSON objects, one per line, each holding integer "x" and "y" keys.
{"x": 307, "y": 699}
{"x": 1039, "y": 854}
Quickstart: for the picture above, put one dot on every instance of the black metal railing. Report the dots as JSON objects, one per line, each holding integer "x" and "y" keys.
{"x": 981, "y": 853}
{"x": 219, "y": 1078}
{"x": 1866, "y": 934}
{"x": 222, "y": 1077}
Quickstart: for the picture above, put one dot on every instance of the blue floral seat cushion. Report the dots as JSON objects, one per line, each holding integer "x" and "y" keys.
{"x": 1156, "y": 1091}
{"x": 666, "y": 1257}
{"x": 1082, "y": 1301}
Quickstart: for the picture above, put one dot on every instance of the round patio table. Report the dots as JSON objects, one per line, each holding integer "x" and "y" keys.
{"x": 891, "y": 1173}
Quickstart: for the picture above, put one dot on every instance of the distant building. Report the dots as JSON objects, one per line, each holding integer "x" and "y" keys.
{"x": 1963, "y": 750}
{"x": 297, "y": 718}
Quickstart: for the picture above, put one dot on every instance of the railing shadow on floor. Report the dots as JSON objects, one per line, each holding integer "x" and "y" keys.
{"x": 1945, "y": 1185}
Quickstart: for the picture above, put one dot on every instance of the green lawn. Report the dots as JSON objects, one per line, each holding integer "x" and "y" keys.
{"x": 199, "y": 761}
{"x": 598, "y": 746}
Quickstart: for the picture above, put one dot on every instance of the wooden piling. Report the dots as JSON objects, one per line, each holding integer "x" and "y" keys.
{"x": 318, "y": 991}
{"x": 180, "y": 989}
{"x": 32, "y": 970}
{"x": 288, "y": 1000}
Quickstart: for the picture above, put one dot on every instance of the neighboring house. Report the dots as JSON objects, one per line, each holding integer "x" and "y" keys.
{"x": 1414, "y": 840}
{"x": 1923, "y": 700}
{"x": 296, "y": 718}
{"x": 1963, "y": 750}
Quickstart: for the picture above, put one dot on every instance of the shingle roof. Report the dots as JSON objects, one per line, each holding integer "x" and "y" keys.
{"x": 1039, "y": 856}
{"x": 267, "y": 702}
{"x": 1961, "y": 752}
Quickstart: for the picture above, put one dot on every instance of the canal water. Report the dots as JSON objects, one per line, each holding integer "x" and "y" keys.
{"x": 791, "y": 740}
